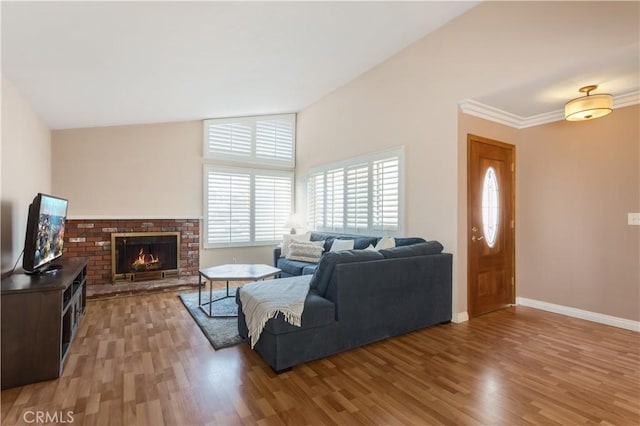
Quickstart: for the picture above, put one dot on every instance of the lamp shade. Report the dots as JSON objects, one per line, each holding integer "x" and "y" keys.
{"x": 588, "y": 107}
{"x": 293, "y": 222}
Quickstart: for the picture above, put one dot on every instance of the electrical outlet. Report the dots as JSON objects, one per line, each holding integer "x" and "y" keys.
{"x": 634, "y": 219}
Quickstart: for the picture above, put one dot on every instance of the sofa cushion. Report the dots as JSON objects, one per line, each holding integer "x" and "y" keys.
{"x": 317, "y": 312}
{"x": 306, "y": 251}
{"x": 288, "y": 238}
{"x": 317, "y": 236}
{"x": 408, "y": 241}
{"x": 362, "y": 243}
{"x": 359, "y": 242}
{"x": 385, "y": 243}
{"x": 420, "y": 249}
{"x": 324, "y": 271}
{"x": 340, "y": 245}
{"x": 292, "y": 267}
{"x": 327, "y": 238}
{"x": 309, "y": 269}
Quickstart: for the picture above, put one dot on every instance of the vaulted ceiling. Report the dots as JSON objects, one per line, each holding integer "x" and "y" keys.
{"x": 87, "y": 64}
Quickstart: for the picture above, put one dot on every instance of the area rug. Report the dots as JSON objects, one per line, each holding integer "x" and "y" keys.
{"x": 221, "y": 332}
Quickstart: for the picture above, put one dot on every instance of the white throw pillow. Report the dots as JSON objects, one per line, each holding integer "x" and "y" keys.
{"x": 386, "y": 243}
{"x": 288, "y": 238}
{"x": 306, "y": 251}
{"x": 339, "y": 245}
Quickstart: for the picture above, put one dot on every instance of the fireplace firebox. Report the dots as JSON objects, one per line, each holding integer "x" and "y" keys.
{"x": 138, "y": 256}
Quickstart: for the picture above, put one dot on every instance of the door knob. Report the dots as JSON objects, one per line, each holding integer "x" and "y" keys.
{"x": 474, "y": 238}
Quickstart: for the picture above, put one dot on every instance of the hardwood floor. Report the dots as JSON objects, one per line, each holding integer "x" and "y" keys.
{"x": 142, "y": 360}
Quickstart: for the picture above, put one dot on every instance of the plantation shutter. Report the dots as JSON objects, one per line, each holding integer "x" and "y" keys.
{"x": 228, "y": 207}
{"x": 272, "y": 206}
{"x": 334, "y": 219}
{"x": 357, "y": 202}
{"x": 315, "y": 197}
{"x": 229, "y": 138}
{"x": 385, "y": 194}
{"x": 257, "y": 140}
{"x": 246, "y": 206}
{"x": 359, "y": 195}
{"x": 274, "y": 139}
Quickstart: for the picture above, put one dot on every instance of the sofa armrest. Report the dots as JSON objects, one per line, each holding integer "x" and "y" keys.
{"x": 318, "y": 311}
{"x": 276, "y": 255}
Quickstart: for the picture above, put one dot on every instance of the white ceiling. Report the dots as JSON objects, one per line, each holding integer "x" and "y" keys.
{"x": 86, "y": 64}
{"x": 615, "y": 71}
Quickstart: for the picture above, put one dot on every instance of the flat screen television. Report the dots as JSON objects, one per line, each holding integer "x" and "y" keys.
{"x": 44, "y": 240}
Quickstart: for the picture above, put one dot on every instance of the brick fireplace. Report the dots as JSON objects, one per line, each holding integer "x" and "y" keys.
{"x": 92, "y": 239}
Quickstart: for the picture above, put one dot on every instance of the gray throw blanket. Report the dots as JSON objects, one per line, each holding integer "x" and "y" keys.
{"x": 263, "y": 300}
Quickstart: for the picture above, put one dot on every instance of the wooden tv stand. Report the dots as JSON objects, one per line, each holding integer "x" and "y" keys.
{"x": 40, "y": 315}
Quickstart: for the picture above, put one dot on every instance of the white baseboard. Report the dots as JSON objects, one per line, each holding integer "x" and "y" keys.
{"x": 579, "y": 313}
{"x": 461, "y": 317}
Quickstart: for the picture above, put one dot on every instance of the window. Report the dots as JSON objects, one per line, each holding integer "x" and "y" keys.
{"x": 386, "y": 194}
{"x": 359, "y": 196}
{"x": 490, "y": 206}
{"x": 357, "y": 199}
{"x": 335, "y": 199}
{"x": 247, "y": 205}
{"x": 272, "y": 205}
{"x": 265, "y": 140}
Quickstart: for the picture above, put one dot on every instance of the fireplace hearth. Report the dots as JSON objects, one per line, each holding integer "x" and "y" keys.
{"x": 138, "y": 256}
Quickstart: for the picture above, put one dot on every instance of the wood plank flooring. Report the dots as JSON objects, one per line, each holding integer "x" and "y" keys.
{"x": 142, "y": 360}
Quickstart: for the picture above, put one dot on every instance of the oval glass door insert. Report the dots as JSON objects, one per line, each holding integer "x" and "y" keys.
{"x": 490, "y": 206}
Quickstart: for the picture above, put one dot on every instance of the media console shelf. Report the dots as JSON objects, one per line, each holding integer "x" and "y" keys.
{"x": 40, "y": 316}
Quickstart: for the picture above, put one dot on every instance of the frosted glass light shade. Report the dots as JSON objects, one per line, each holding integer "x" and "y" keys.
{"x": 588, "y": 107}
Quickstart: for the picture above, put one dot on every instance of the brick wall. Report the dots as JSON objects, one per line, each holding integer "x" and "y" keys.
{"x": 92, "y": 239}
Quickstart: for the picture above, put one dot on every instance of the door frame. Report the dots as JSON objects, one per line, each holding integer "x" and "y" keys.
{"x": 475, "y": 138}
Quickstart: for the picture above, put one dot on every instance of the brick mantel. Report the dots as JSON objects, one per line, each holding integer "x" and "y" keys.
{"x": 91, "y": 238}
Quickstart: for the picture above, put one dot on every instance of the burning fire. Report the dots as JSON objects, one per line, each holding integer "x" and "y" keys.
{"x": 146, "y": 261}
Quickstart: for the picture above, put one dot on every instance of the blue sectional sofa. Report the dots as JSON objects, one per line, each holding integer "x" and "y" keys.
{"x": 292, "y": 268}
{"x": 358, "y": 297}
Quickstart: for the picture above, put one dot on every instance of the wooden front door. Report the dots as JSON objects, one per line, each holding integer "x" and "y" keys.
{"x": 490, "y": 225}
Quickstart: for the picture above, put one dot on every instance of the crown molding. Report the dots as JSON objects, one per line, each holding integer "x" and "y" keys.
{"x": 626, "y": 100}
{"x": 487, "y": 112}
{"x": 477, "y": 109}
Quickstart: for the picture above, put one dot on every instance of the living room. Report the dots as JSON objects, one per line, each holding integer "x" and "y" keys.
{"x": 575, "y": 182}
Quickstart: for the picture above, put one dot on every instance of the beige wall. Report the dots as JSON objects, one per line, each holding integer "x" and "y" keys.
{"x": 412, "y": 98}
{"x": 152, "y": 170}
{"x": 576, "y": 182}
{"x": 139, "y": 171}
{"x": 26, "y": 168}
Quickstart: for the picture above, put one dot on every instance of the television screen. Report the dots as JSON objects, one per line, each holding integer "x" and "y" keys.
{"x": 44, "y": 240}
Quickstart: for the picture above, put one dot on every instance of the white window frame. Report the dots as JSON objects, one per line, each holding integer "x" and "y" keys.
{"x": 365, "y": 160}
{"x": 252, "y": 172}
{"x": 259, "y": 136}
{"x": 251, "y": 157}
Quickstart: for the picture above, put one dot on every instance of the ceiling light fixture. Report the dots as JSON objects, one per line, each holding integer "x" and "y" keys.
{"x": 589, "y": 106}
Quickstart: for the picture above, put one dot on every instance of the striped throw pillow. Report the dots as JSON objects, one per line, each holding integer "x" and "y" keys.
{"x": 306, "y": 251}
